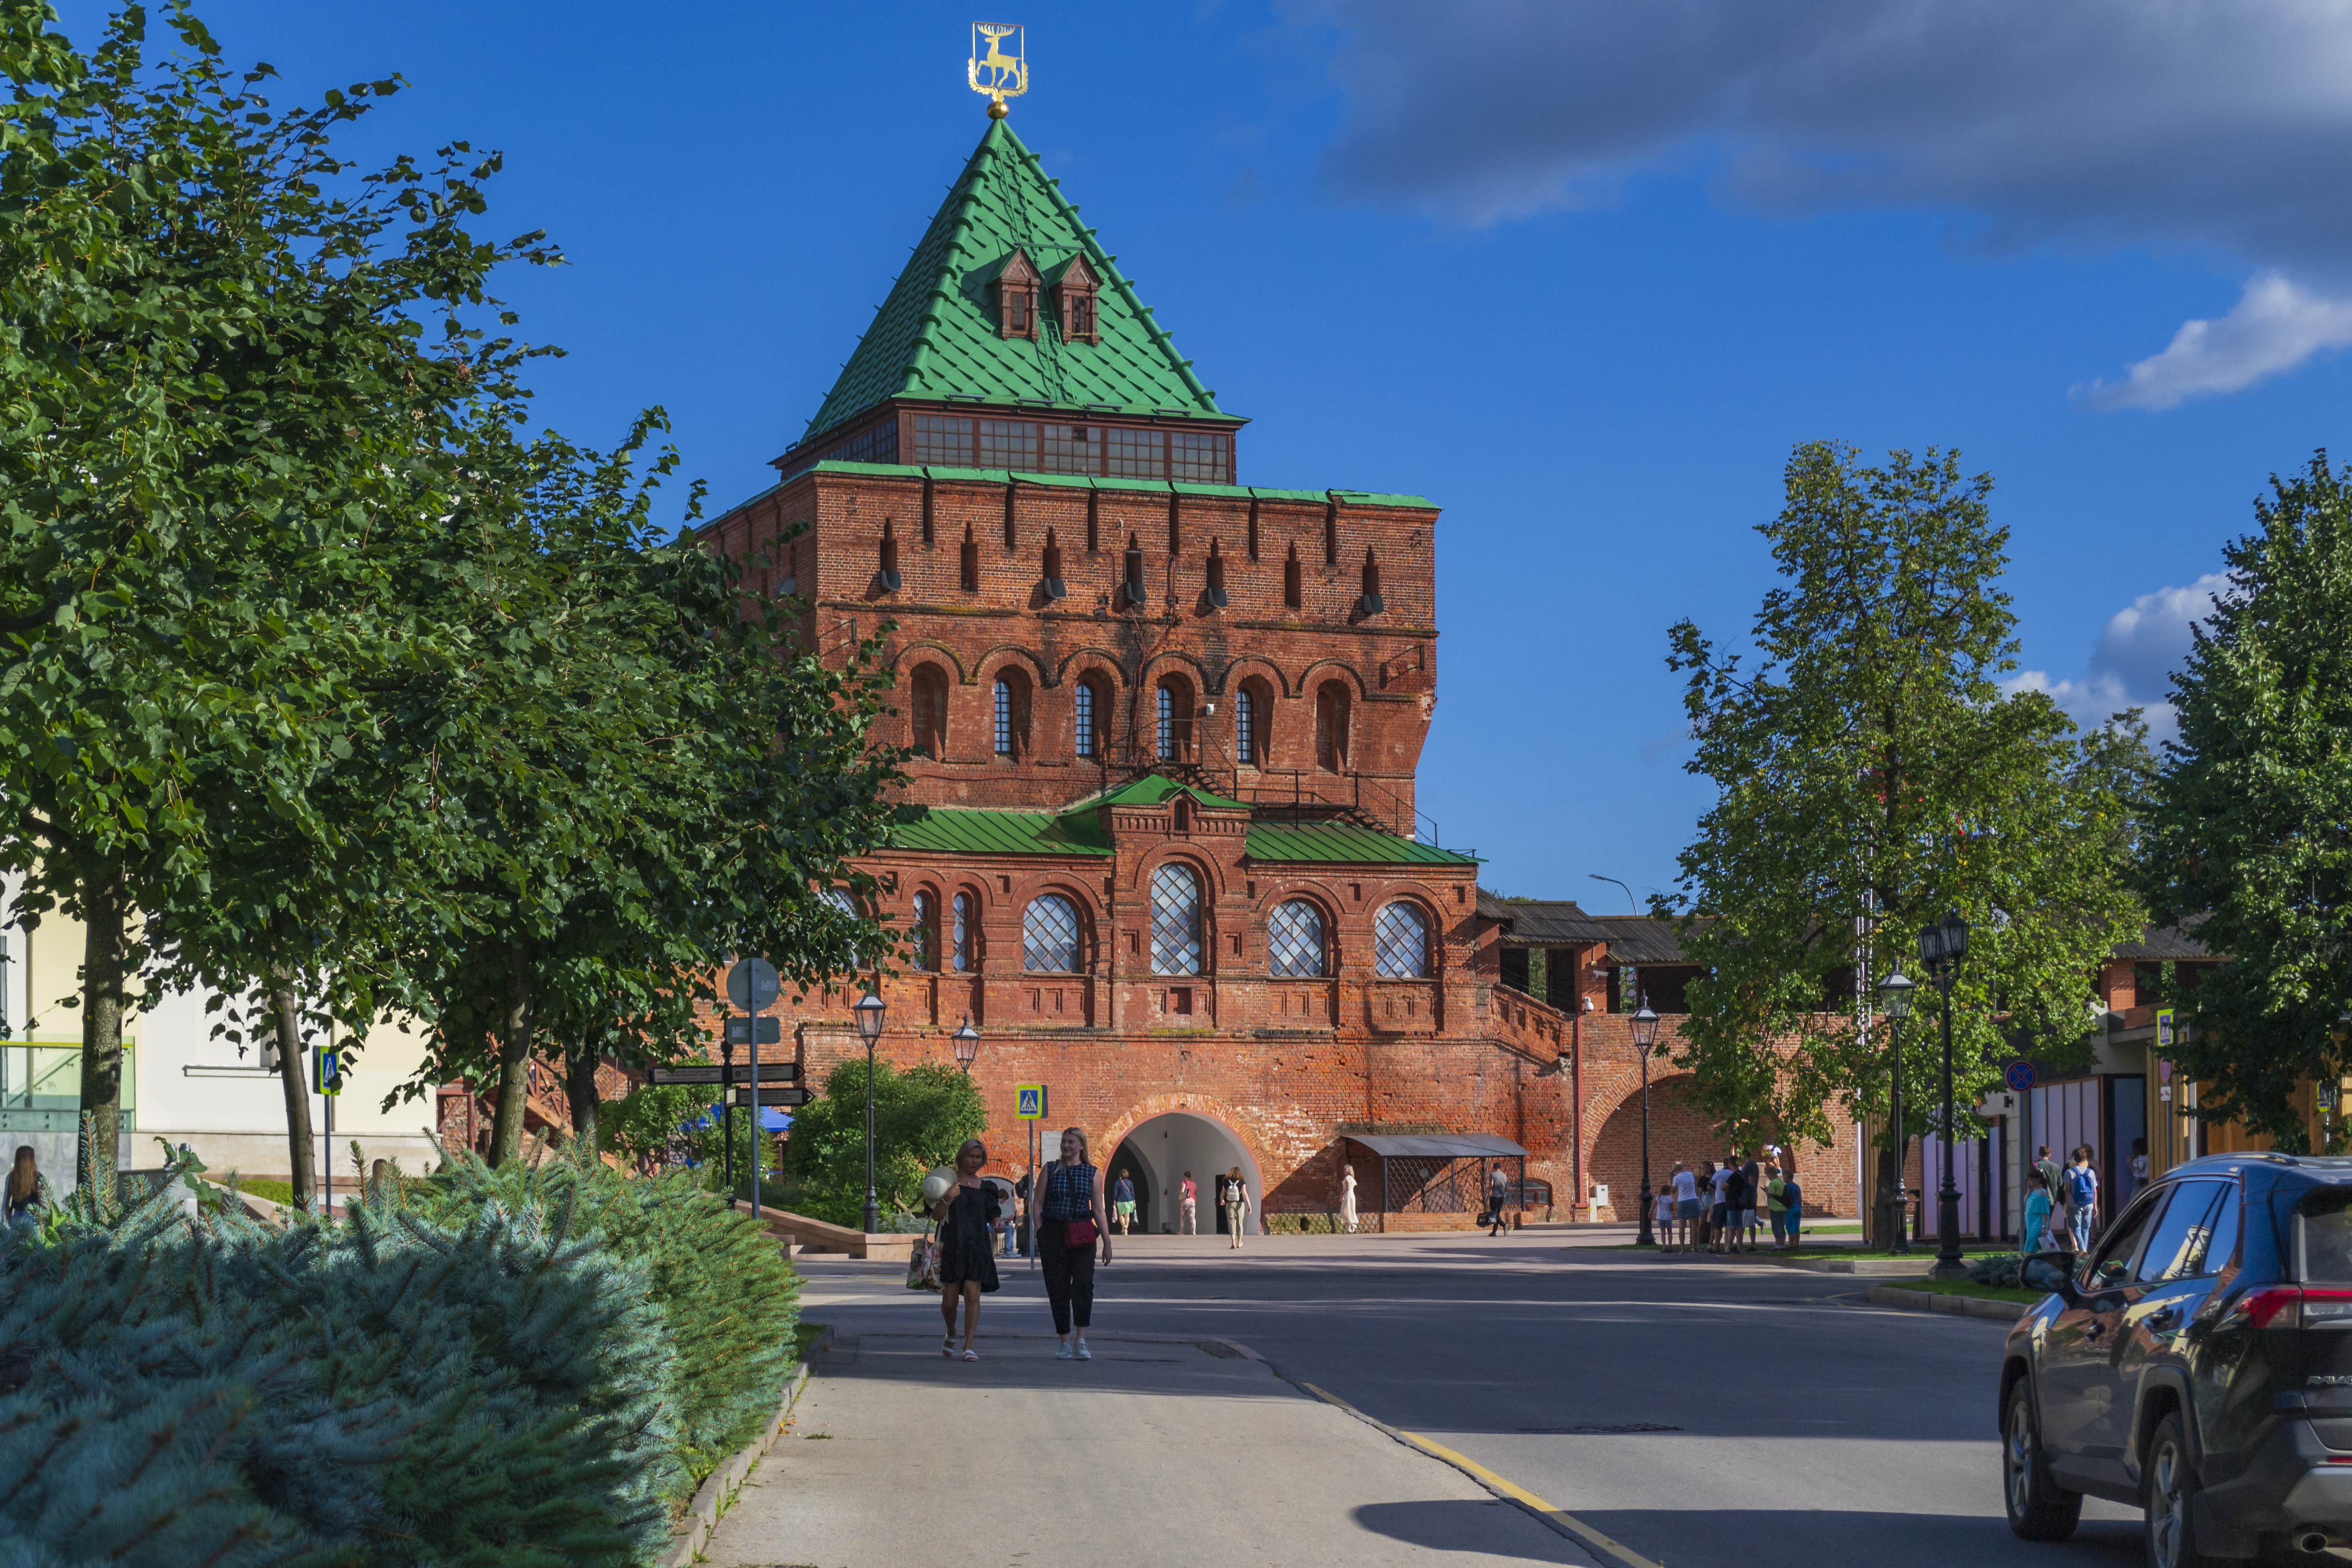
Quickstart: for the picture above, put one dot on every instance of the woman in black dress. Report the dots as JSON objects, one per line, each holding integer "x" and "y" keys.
{"x": 968, "y": 1218}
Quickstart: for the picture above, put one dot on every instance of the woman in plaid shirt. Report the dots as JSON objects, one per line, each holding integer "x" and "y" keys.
{"x": 1071, "y": 1196}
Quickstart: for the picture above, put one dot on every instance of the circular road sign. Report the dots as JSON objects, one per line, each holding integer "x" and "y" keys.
{"x": 2020, "y": 1076}
{"x": 752, "y": 984}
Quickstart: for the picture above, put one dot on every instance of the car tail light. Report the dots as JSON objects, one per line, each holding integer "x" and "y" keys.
{"x": 2292, "y": 1307}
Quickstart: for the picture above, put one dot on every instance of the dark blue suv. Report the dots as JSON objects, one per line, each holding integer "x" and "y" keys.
{"x": 2197, "y": 1362}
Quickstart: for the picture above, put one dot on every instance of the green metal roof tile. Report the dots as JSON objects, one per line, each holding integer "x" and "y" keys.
{"x": 956, "y": 831}
{"x": 935, "y": 335}
{"x": 1329, "y": 841}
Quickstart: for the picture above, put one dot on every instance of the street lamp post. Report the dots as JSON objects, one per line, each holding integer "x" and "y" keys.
{"x": 1894, "y": 994}
{"x": 1941, "y": 947}
{"x": 869, "y": 1027}
{"x": 1645, "y": 1037}
{"x": 967, "y": 1045}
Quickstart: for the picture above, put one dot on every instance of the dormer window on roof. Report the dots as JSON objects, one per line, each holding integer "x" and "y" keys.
{"x": 1016, "y": 298}
{"x": 1075, "y": 286}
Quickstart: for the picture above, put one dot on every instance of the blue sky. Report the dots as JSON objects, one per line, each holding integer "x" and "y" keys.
{"x": 1582, "y": 273}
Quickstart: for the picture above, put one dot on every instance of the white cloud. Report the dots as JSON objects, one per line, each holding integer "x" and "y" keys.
{"x": 2275, "y": 327}
{"x": 2213, "y": 125}
{"x": 2142, "y": 644}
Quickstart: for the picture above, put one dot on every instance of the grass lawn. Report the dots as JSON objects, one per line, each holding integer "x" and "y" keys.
{"x": 276, "y": 1192}
{"x": 1966, "y": 1288}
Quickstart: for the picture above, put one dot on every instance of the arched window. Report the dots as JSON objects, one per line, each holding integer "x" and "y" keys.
{"x": 926, "y": 933}
{"x": 1049, "y": 936}
{"x": 1012, "y": 714}
{"x": 1175, "y": 736}
{"x": 1251, "y": 713}
{"x": 1401, "y": 942}
{"x": 1167, "y": 722}
{"x": 1084, "y": 696}
{"x": 1332, "y": 726}
{"x": 1003, "y": 718}
{"x": 931, "y": 716}
{"x": 1294, "y": 940}
{"x": 1175, "y": 920}
{"x": 959, "y": 934}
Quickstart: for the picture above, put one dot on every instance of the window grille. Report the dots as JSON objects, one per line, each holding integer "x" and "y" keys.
{"x": 1049, "y": 936}
{"x": 1245, "y": 725}
{"x": 1071, "y": 449}
{"x": 1175, "y": 920}
{"x": 1199, "y": 459}
{"x": 1137, "y": 454}
{"x": 1167, "y": 724}
{"x": 927, "y": 934}
{"x": 1008, "y": 444}
{"x": 1085, "y": 722}
{"x": 1003, "y": 718}
{"x": 1294, "y": 940}
{"x": 939, "y": 438}
{"x": 959, "y": 949}
{"x": 1401, "y": 942}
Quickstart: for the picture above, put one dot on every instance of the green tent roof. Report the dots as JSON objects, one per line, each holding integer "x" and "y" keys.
{"x": 935, "y": 336}
{"x": 1153, "y": 788}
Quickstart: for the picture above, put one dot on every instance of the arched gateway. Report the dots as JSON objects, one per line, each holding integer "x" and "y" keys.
{"x": 1161, "y": 1145}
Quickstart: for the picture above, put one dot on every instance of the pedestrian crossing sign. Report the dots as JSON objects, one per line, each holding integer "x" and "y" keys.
{"x": 326, "y": 1071}
{"x": 1030, "y": 1101}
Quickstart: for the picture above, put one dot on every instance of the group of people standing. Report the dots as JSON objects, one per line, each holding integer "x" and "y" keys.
{"x": 2062, "y": 1202}
{"x": 1723, "y": 1205}
{"x": 1073, "y": 1232}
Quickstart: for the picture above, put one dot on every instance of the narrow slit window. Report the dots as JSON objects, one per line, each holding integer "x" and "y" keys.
{"x": 959, "y": 944}
{"x": 926, "y": 933}
{"x": 1003, "y": 718}
{"x": 1085, "y": 696}
{"x": 1290, "y": 581}
{"x": 1245, "y": 725}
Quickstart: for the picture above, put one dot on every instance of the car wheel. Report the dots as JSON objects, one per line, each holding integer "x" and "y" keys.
{"x": 2169, "y": 1499}
{"x": 2038, "y": 1509}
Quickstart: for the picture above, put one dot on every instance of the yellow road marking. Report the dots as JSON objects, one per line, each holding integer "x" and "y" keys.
{"x": 1559, "y": 1518}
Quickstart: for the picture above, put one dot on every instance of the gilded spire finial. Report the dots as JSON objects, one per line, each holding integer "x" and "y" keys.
{"x": 999, "y": 75}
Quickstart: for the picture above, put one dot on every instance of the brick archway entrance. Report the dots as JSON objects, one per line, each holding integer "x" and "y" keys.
{"x": 1164, "y": 1145}
{"x": 1679, "y": 1131}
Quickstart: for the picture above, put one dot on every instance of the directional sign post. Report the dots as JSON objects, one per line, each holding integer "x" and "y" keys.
{"x": 326, "y": 1082}
{"x": 771, "y": 1096}
{"x": 712, "y": 1072}
{"x": 752, "y": 985}
{"x": 1029, "y": 1108}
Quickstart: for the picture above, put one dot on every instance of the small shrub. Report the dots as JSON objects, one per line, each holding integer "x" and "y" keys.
{"x": 1997, "y": 1268}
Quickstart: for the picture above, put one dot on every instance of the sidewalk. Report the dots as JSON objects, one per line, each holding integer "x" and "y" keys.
{"x": 1158, "y": 1452}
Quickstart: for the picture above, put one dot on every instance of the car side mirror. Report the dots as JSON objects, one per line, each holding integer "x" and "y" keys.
{"x": 2051, "y": 1273}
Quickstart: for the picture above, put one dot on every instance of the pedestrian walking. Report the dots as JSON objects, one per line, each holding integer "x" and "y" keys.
{"x": 1122, "y": 1200}
{"x": 1685, "y": 1183}
{"x": 2053, "y": 1174}
{"x": 2037, "y": 1214}
{"x": 1237, "y": 1204}
{"x": 1774, "y": 1203}
{"x": 968, "y": 1218}
{"x": 1793, "y": 1207}
{"x": 1499, "y": 1192}
{"x": 2082, "y": 1197}
{"x": 1073, "y": 1226}
{"x": 28, "y": 1195}
{"x": 1347, "y": 1197}
{"x": 1191, "y": 1194}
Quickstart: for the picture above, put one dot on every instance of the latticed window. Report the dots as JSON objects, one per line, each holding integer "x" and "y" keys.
{"x": 1085, "y": 720}
{"x": 1167, "y": 724}
{"x": 1049, "y": 936}
{"x": 960, "y": 936}
{"x": 1245, "y": 725}
{"x": 1294, "y": 940}
{"x": 1003, "y": 718}
{"x": 1008, "y": 444}
{"x": 1175, "y": 920}
{"x": 927, "y": 932}
{"x": 1137, "y": 454}
{"x": 1071, "y": 449}
{"x": 1201, "y": 459}
{"x": 941, "y": 439}
{"x": 1401, "y": 942}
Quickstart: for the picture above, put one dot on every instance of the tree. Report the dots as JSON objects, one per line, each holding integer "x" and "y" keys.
{"x": 921, "y": 1117}
{"x": 2249, "y": 832}
{"x": 221, "y": 402}
{"x": 1872, "y": 776}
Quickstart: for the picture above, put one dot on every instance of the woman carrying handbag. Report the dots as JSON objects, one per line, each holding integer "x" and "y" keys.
{"x": 1072, "y": 1225}
{"x": 967, "y": 1264}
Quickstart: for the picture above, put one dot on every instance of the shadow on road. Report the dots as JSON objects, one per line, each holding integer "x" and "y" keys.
{"x": 1454, "y": 1524}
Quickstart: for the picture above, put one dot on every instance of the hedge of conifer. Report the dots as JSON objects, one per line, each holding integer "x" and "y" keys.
{"x": 522, "y": 1367}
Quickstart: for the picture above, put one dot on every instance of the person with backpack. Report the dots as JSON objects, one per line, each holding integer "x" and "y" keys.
{"x": 1122, "y": 1200}
{"x": 2082, "y": 1197}
{"x": 1237, "y": 1205}
{"x": 1778, "y": 1209}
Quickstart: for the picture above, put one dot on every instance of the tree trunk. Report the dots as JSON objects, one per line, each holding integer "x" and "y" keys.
{"x": 301, "y": 1152}
{"x": 101, "y": 1032}
{"x": 583, "y": 1089}
{"x": 514, "y": 1057}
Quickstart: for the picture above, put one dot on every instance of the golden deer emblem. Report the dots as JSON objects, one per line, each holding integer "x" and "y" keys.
{"x": 999, "y": 75}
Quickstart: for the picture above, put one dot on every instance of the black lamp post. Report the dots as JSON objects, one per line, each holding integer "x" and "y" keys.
{"x": 1894, "y": 1000}
{"x": 1941, "y": 947}
{"x": 967, "y": 1045}
{"x": 1645, "y": 1037}
{"x": 869, "y": 1027}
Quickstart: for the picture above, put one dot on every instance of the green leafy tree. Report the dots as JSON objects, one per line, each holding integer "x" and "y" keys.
{"x": 921, "y": 1116}
{"x": 2248, "y": 836}
{"x": 1872, "y": 776}
{"x": 221, "y": 397}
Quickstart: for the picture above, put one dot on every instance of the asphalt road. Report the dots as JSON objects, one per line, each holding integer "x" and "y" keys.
{"x": 1801, "y": 1425}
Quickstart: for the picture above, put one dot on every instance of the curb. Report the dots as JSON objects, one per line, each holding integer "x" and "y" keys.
{"x": 717, "y": 1493}
{"x": 1963, "y": 1306}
